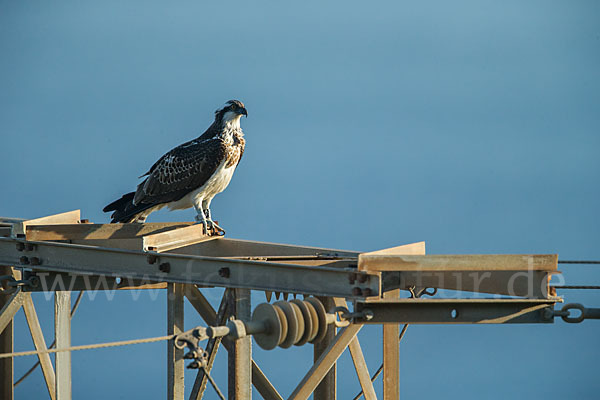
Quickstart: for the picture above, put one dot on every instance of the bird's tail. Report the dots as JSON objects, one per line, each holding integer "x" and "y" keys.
{"x": 124, "y": 209}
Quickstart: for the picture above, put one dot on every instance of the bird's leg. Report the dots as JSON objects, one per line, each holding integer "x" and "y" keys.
{"x": 212, "y": 223}
{"x": 201, "y": 219}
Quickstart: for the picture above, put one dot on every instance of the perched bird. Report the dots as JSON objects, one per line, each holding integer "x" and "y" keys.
{"x": 191, "y": 174}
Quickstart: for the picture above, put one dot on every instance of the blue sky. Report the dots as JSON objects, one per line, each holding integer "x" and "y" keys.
{"x": 472, "y": 125}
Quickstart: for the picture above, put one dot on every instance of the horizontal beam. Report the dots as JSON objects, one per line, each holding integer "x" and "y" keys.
{"x": 225, "y": 247}
{"x": 169, "y": 267}
{"x": 61, "y": 281}
{"x": 458, "y": 262}
{"x": 175, "y": 238}
{"x": 530, "y": 284}
{"x": 69, "y": 217}
{"x": 456, "y": 311}
{"x": 98, "y": 231}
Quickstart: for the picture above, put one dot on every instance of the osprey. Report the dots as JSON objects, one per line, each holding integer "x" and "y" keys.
{"x": 191, "y": 174}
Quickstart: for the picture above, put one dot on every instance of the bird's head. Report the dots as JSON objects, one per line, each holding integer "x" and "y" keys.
{"x": 231, "y": 113}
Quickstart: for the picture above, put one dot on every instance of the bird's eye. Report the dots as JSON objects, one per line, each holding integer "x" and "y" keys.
{"x": 233, "y": 106}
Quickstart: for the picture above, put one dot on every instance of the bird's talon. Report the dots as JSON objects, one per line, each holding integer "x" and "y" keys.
{"x": 216, "y": 229}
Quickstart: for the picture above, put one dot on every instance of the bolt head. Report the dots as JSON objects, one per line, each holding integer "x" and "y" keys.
{"x": 224, "y": 272}
{"x": 165, "y": 267}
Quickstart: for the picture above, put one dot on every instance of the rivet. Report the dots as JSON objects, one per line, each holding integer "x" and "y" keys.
{"x": 352, "y": 278}
{"x": 20, "y": 246}
{"x": 165, "y": 267}
{"x": 24, "y": 260}
{"x": 152, "y": 258}
{"x": 357, "y": 291}
{"x": 36, "y": 261}
{"x": 224, "y": 272}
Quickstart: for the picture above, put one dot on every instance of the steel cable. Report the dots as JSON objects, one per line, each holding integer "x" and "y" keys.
{"x": 578, "y": 262}
{"x": 576, "y": 287}
{"x": 213, "y": 383}
{"x": 88, "y": 346}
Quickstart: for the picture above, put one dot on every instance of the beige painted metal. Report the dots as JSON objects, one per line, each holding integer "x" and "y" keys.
{"x": 211, "y": 349}
{"x": 391, "y": 355}
{"x": 11, "y": 305}
{"x": 217, "y": 271}
{"x": 175, "y": 238}
{"x": 457, "y": 311}
{"x": 358, "y": 359}
{"x": 6, "y": 346}
{"x": 75, "y": 231}
{"x": 69, "y": 217}
{"x": 50, "y": 281}
{"x": 414, "y": 249}
{"x": 240, "y": 356}
{"x": 362, "y": 371}
{"x": 40, "y": 345}
{"x": 327, "y": 387}
{"x": 530, "y": 284}
{"x": 325, "y": 362}
{"x": 402, "y": 266}
{"x": 175, "y": 361}
{"x": 157, "y": 237}
{"x": 458, "y": 262}
{"x": 225, "y": 247}
{"x": 62, "y": 333}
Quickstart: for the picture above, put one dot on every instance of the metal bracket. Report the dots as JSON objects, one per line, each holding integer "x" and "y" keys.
{"x": 191, "y": 339}
{"x": 11, "y": 282}
{"x": 565, "y": 313}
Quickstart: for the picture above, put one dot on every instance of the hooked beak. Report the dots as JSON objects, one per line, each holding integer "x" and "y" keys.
{"x": 243, "y": 112}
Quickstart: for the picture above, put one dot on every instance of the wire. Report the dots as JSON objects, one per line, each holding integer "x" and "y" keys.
{"x": 213, "y": 383}
{"x": 88, "y": 346}
{"x": 576, "y": 287}
{"x": 37, "y": 364}
{"x": 378, "y": 372}
{"x": 577, "y": 262}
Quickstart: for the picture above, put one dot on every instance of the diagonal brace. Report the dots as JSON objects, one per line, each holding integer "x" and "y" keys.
{"x": 40, "y": 345}
{"x": 211, "y": 348}
{"x": 11, "y": 307}
{"x": 325, "y": 362}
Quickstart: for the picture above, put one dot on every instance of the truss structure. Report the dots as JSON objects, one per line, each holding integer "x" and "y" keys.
{"x": 63, "y": 253}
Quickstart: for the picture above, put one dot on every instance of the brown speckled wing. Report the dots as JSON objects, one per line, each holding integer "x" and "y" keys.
{"x": 181, "y": 170}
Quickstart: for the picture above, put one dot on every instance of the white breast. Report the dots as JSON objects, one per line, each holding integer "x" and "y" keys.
{"x": 216, "y": 184}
